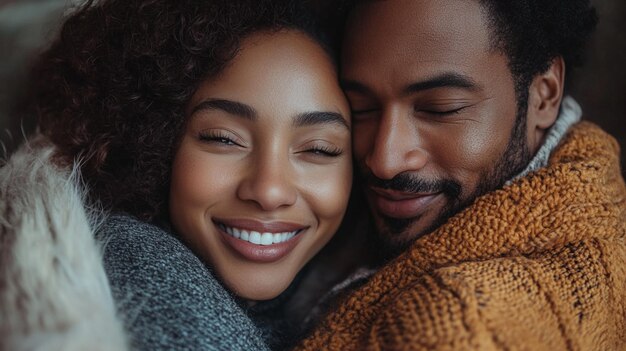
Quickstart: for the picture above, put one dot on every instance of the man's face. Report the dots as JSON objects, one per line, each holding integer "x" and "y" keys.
{"x": 434, "y": 111}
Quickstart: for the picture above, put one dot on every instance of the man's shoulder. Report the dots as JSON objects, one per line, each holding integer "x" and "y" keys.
{"x": 547, "y": 300}
{"x": 560, "y": 270}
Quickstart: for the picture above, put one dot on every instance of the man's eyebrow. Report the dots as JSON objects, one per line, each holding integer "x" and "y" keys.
{"x": 446, "y": 80}
{"x": 320, "y": 117}
{"x": 231, "y": 107}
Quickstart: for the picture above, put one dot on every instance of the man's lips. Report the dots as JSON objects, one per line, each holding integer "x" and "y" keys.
{"x": 396, "y": 204}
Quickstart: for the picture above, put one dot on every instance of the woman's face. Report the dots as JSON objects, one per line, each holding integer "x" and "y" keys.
{"x": 262, "y": 177}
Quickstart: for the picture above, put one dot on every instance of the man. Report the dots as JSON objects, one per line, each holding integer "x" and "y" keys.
{"x": 503, "y": 215}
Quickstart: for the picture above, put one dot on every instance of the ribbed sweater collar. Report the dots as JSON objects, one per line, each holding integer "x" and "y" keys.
{"x": 570, "y": 113}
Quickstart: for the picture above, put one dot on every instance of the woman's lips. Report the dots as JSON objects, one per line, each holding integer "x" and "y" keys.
{"x": 402, "y": 205}
{"x": 257, "y": 241}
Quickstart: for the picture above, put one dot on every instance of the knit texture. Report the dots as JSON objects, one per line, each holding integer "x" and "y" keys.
{"x": 537, "y": 265}
{"x": 168, "y": 297}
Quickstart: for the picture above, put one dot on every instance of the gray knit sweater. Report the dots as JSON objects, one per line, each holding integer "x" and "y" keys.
{"x": 167, "y": 297}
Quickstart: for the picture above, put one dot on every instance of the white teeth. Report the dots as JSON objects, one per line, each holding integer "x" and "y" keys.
{"x": 256, "y": 237}
{"x": 276, "y": 238}
{"x": 267, "y": 239}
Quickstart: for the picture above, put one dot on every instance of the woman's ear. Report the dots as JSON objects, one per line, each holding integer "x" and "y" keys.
{"x": 544, "y": 99}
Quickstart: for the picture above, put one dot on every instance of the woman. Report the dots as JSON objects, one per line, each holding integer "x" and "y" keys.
{"x": 215, "y": 133}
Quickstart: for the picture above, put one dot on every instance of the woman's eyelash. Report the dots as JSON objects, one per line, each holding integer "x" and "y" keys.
{"x": 326, "y": 151}
{"x": 222, "y": 138}
{"x": 216, "y": 137}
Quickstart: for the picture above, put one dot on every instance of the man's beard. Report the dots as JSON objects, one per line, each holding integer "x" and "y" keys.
{"x": 393, "y": 234}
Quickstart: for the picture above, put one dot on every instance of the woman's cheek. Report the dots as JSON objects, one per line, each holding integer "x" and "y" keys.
{"x": 328, "y": 191}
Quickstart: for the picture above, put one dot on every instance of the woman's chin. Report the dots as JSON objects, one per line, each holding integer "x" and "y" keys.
{"x": 259, "y": 289}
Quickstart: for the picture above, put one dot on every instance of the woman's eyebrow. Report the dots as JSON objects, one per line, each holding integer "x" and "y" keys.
{"x": 231, "y": 107}
{"x": 319, "y": 117}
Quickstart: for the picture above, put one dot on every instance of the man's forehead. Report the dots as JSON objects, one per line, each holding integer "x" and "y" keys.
{"x": 403, "y": 33}
{"x": 400, "y": 20}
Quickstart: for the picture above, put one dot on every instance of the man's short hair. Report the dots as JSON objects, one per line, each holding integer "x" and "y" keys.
{"x": 532, "y": 33}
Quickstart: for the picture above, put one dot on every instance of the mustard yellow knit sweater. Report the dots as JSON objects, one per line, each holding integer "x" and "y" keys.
{"x": 538, "y": 265}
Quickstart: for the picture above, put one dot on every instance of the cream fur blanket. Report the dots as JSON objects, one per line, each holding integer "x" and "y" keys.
{"x": 54, "y": 294}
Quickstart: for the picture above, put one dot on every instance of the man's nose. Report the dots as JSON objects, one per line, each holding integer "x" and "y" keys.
{"x": 397, "y": 145}
{"x": 268, "y": 183}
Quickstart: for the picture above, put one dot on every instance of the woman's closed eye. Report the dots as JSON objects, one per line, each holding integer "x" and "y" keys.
{"x": 325, "y": 151}
{"x": 219, "y": 138}
{"x": 319, "y": 152}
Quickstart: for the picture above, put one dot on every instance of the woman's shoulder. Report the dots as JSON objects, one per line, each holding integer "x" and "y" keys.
{"x": 135, "y": 242}
{"x": 141, "y": 256}
{"x": 124, "y": 230}
{"x": 165, "y": 291}
{"x": 123, "y": 224}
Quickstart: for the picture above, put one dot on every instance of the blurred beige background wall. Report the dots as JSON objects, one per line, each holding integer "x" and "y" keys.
{"x": 600, "y": 87}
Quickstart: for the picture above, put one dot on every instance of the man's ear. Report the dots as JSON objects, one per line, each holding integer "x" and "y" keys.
{"x": 544, "y": 99}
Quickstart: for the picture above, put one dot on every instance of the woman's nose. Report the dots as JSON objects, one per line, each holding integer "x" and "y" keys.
{"x": 269, "y": 183}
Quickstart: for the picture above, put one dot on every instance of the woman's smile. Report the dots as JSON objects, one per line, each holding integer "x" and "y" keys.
{"x": 258, "y": 232}
{"x": 260, "y": 241}
{"x": 261, "y": 179}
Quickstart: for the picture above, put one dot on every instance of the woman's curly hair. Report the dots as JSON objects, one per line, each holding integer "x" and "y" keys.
{"x": 112, "y": 89}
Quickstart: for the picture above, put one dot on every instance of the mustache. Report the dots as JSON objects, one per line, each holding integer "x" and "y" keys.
{"x": 408, "y": 183}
